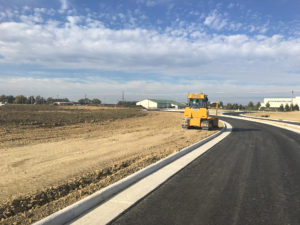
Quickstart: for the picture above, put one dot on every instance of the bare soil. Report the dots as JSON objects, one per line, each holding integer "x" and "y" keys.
{"x": 46, "y": 169}
{"x": 293, "y": 116}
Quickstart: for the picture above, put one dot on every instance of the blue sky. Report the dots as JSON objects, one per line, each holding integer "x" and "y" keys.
{"x": 234, "y": 51}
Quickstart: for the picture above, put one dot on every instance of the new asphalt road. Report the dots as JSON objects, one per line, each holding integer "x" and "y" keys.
{"x": 251, "y": 177}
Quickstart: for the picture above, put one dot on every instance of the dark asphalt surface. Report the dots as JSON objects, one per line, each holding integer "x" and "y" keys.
{"x": 251, "y": 177}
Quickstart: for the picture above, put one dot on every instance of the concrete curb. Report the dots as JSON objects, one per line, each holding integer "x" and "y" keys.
{"x": 71, "y": 212}
{"x": 272, "y": 123}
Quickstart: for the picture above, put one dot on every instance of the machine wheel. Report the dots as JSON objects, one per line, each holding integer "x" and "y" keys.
{"x": 207, "y": 124}
{"x": 211, "y": 125}
{"x": 185, "y": 123}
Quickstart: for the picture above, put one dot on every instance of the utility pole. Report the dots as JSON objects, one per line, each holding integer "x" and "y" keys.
{"x": 123, "y": 96}
{"x": 292, "y": 105}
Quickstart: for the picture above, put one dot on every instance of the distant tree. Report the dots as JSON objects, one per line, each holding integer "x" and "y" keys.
{"x": 250, "y": 105}
{"x": 268, "y": 105}
{"x": 229, "y": 106}
{"x": 241, "y": 107}
{"x": 257, "y": 106}
{"x": 208, "y": 104}
{"x": 50, "y": 100}
{"x": 40, "y": 100}
{"x": 84, "y": 101}
{"x": 20, "y": 99}
{"x": 296, "y": 107}
{"x": 221, "y": 105}
{"x": 281, "y": 108}
{"x": 30, "y": 100}
{"x": 10, "y": 99}
{"x": 287, "y": 107}
{"x": 96, "y": 101}
{"x": 212, "y": 104}
{"x": 2, "y": 98}
{"x": 127, "y": 103}
{"x": 235, "y": 106}
{"x": 81, "y": 101}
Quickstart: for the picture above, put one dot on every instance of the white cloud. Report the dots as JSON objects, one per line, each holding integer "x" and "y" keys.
{"x": 215, "y": 20}
{"x": 151, "y": 3}
{"x": 2, "y": 15}
{"x": 64, "y": 5}
{"x": 252, "y": 28}
{"x": 235, "y": 26}
{"x": 231, "y": 5}
{"x": 93, "y": 46}
{"x": 183, "y": 50}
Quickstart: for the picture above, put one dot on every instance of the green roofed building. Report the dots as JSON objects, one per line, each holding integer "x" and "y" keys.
{"x": 160, "y": 104}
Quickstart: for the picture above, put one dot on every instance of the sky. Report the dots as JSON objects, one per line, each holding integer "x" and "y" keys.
{"x": 234, "y": 51}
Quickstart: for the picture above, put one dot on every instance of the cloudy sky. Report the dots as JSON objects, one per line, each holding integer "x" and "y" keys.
{"x": 234, "y": 51}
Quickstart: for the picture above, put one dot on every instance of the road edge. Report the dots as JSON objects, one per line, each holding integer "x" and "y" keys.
{"x": 73, "y": 211}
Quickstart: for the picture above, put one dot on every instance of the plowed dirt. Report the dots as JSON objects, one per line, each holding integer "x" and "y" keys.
{"x": 43, "y": 170}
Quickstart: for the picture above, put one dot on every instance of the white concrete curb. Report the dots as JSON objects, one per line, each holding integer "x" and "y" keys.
{"x": 69, "y": 213}
{"x": 272, "y": 123}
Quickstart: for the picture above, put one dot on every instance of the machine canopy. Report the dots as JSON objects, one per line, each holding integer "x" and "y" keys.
{"x": 198, "y": 103}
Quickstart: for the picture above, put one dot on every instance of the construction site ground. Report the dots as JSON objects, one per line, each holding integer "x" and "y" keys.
{"x": 46, "y": 169}
{"x": 293, "y": 116}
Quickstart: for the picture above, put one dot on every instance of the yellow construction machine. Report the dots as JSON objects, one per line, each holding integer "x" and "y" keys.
{"x": 196, "y": 113}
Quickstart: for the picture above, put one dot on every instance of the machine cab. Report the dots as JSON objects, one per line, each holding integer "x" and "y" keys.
{"x": 197, "y": 101}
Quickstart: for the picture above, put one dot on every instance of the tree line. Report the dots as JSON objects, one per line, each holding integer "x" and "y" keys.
{"x": 257, "y": 106}
{"x": 21, "y": 99}
{"x": 289, "y": 107}
{"x": 236, "y": 106}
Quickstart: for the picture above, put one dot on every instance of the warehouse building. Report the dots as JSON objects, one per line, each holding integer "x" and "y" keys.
{"x": 276, "y": 102}
{"x": 160, "y": 104}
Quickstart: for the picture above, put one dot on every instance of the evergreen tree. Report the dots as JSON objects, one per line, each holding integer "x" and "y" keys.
{"x": 281, "y": 108}
{"x": 287, "y": 107}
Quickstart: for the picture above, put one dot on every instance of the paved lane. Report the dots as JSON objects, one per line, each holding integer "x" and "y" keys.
{"x": 252, "y": 177}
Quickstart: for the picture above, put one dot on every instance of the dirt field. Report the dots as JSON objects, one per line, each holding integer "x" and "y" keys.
{"x": 294, "y": 116}
{"x": 45, "y": 169}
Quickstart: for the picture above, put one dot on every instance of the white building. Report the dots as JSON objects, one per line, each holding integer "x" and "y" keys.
{"x": 276, "y": 102}
{"x": 156, "y": 104}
